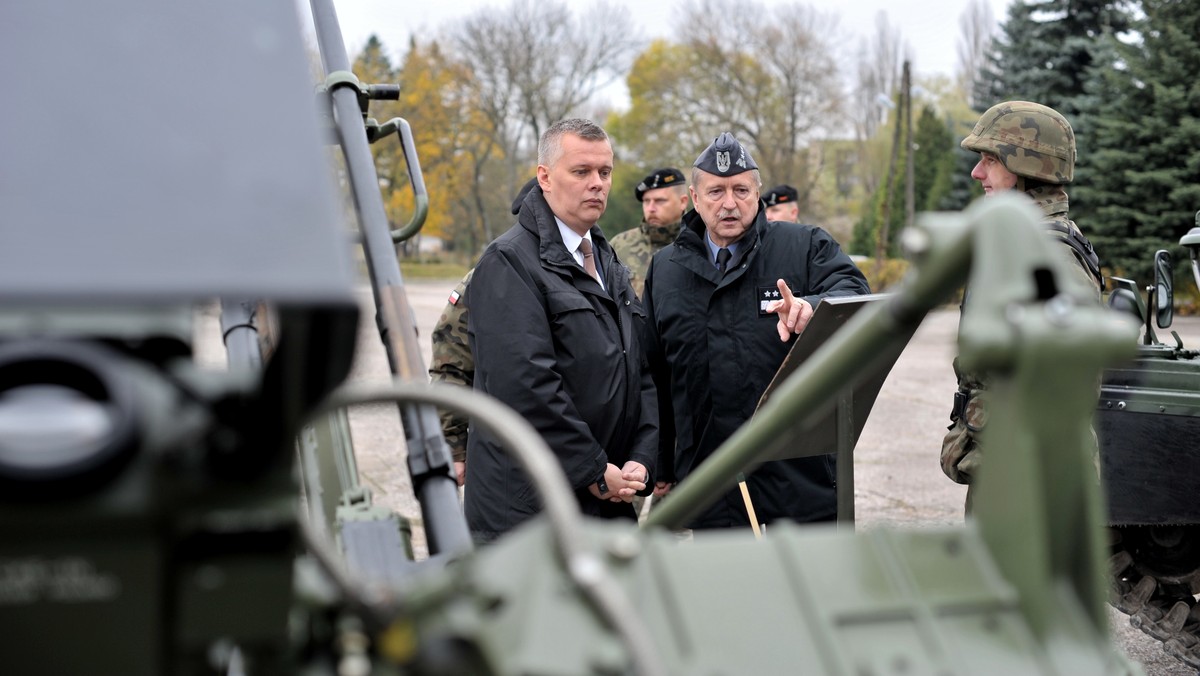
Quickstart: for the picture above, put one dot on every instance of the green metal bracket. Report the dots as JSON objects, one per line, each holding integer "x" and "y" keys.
{"x": 343, "y": 78}
{"x": 415, "y": 178}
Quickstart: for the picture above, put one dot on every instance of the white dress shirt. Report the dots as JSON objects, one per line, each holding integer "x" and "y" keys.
{"x": 571, "y": 240}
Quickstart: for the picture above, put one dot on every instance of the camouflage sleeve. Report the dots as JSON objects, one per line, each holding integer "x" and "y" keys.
{"x": 634, "y": 252}
{"x": 452, "y": 363}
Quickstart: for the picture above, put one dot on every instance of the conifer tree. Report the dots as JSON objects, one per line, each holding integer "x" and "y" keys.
{"x": 1140, "y": 188}
{"x": 933, "y": 167}
{"x": 1044, "y": 51}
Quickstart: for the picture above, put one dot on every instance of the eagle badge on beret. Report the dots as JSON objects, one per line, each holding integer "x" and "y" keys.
{"x": 718, "y": 158}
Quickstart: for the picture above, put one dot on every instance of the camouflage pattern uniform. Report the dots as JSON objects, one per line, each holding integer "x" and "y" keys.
{"x": 635, "y": 248}
{"x": 452, "y": 362}
{"x": 1037, "y": 144}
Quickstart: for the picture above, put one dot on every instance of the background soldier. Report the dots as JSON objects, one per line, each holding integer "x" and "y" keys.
{"x": 782, "y": 204}
{"x": 664, "y": 198}
{"x": 452, "y": 362}
{"x": 1029, "y": 148}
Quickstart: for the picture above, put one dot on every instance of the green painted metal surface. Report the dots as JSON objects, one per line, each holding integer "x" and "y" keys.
{"x": 804, "y": 600}
{"x": 1019, "y": 590}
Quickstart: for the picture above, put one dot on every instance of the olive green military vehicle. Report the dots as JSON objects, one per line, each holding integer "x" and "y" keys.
{"x": 1148, "y": 424}
{"x": 150, "y": 510}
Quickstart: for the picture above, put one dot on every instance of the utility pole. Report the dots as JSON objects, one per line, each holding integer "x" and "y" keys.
{"x": 905, "y": 111}
{"x": 909, "y": 207}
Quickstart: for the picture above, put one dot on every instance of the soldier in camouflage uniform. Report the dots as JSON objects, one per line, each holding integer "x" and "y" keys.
{"x": 1030, "y": 148}
{"x": 664, "y": 198}
{"x": 452, "y": 362}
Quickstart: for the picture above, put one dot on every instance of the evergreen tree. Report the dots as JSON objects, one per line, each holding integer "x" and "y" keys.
{"x": 1044, "y": 51}
{"x": 373, "y": 61}
{"x": 1140, "y": 188}
{"x": 933, "y": 164}
{"x": 933, "y": 167}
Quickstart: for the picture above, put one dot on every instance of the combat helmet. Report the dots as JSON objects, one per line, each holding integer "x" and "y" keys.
{"x": 1030, "y": 139}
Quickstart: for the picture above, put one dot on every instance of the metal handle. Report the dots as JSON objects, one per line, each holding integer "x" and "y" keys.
{"x": 413, "y": 165}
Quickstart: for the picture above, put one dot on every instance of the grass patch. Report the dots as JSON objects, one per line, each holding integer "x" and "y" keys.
{"x": 881, "y": 278}
{"x": 413, "y": 270}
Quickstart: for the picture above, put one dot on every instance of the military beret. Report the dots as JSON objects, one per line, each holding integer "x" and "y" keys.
{"x": 781, "y": 194}
{"x": 661, "y": 178}
{"x": 516, "y": 205}
{"x": 725, "y": 157}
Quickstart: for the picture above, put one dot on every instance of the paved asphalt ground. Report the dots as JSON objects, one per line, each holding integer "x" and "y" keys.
{"x": 897, "y": 478}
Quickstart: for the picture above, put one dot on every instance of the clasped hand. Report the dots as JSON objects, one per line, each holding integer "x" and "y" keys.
{"x": 623, "y": 483}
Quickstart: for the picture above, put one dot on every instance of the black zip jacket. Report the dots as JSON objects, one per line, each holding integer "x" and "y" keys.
{"x": 549, "y": 342}
{"x": 714, "y": 351}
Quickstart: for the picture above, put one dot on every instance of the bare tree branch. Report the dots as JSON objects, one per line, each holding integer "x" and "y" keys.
{"x": 531, "y": 65}
{"x": 767, "y": 75}
{"x": 977, "y": 27}
{"x": 878, "y": 75}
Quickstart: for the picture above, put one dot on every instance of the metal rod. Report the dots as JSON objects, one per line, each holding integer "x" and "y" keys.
{"x": 429, "y": 459}
{"x": 845, "y": 461}
{"x": 240, "y": 333}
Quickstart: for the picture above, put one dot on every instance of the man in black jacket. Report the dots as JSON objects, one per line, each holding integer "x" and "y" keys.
{"x": 724, "y": 304}
{"x": 553, "y": 329}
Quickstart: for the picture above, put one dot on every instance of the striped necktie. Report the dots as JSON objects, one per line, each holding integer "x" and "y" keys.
{"x": 589, "y": 260}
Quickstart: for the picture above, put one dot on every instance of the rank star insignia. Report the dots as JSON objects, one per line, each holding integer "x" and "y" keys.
{"x": 768, "y": 295}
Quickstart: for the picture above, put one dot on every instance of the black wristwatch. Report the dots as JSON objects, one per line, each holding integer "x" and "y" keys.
{"x": 600, "y": 484}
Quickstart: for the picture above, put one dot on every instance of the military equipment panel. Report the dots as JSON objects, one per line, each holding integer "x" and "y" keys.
{"x": 1148, "y": 425}
{"x": 1148, "y": 420}
{"x": 150, "y": 134}
{"x": 147, "y": 507}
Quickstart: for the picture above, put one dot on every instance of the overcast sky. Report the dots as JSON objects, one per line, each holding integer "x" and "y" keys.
{"x": 930, "y": 27}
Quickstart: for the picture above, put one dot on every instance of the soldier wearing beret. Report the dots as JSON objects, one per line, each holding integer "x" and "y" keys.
{"x": 1029, "y": 148}
{"x": 452, "y": 362}
{"x": 781, "y": 204}
{"x": 664, "y": 198}
{"x": 724, "y": 303}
